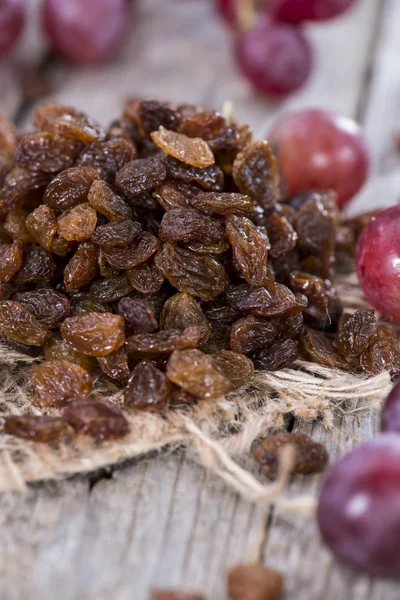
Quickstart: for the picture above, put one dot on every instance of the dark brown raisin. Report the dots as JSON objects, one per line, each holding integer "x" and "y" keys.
{"x": 318, "y": 348}
{"x": 381, "y": 354}
{"x": 146, "y": 277}
{"x": 49, "y": 306}
{"x": 15, "y": 226}
{"x": 84, "y": 303}
{"x": 317, "y": 223}
{"x": 96, "y": 417}
{"x": 82, "y": 267}
{"x": 222, "y": 204}
{"x": 139, "y": 176}
{"x": 57, "y": 382}
{"x": 138, "y": 315}
{"x": 251, "y": 333}
{"x": 115, "y": 365}
{"x": 197, "y": 373}
{"x": 110, "y": 289}
{"x": 181, "y": 311}
{"x": 116, "y": 234}
{"x": 201, "y": 276}
{"x": 144, "y": 245}
{"x": 148, "y": 387}
{"x": 69, "y": 188}
{"x": 103, "y": 199}
{"x": 107, "y": 158}
{"x": 250, "y": 249}
{"x": 170, "y": 196}
{"x": 162, "y": 343}
{"x": 210, "y": 178}
{"x": 95, "y": 334}
{"x": 282, "y": 235}
{"x": 356, "y": 333}
{"x": 256, "y": 175}
{"x": 188, "y": 225}
{"x": 37, "y": 266}
{"x": 36, "y": 428}
{"x": 310, "y": 457}
{"x": 278, "y": 355}
{"x": 151, "y": 114}
{"x": 274, "y": 300}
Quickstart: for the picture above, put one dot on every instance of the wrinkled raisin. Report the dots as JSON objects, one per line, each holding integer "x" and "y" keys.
{"x": 251, "y": 333}
{"x": 138, "y": 315}
{"x": 162, "y": 343}
{"x": 115, "y": 365}
{"x": 141, "y": 175}
{"x": 250, "y": 249}
{"x": 103, "y": 199}
{"x": 21, "y": 325}
{"x": 146, "y": 277}
{"x": 78, "y": 223}
{"x": 236, "y": 367}
{"x": 37, "y": 266}
{"x": 69, "y": 188}
{"x": 282, "y": 235}
{"x": 191, "y": 151}
{"x": 11, "y": 256}
{"x": 278, "y": 355}
{"x": 356, "y": 333}
{"x": 148, "y": 387}
{"x": 49, "y": 306}
{"x": 110, "y": 289}
{"x": 143, "y": 246}
{"x": 188, "y": 225}
{"x": 256, "y": 175}
{"x": 222, "y": 204}
{"x": 107, "y": 158}
{"x": 181, "y": 311}
{"x": 82, "y": 267}
{"x": 42, "y": 225}
{"x": 36, "y": 428}
{"x": 210, "y": 178}
{"x": 56, "y": 382}
{"x": 95, "y": 334}
{"x": 96, "y": 417}
{"x": 319, "y": 348}
{"x": 274, "y": 300}
{"x": 197, "y": 373}
{"x": 56, "y": 348}
{"x": 47, "y": 152}
{"x": 116, "y": 235}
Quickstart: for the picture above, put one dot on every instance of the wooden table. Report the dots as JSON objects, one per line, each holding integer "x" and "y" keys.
{"x": 164, "y": 521}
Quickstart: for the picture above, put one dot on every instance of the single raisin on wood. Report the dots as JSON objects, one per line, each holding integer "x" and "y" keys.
{"x": 36, "y": 428}
{"x": 254, "y": 582}
{"x": 57, "y": 382}
{"x": 95, "y": 334}
{"x": 97, "y": 418}
{"x": 309, "y": 457}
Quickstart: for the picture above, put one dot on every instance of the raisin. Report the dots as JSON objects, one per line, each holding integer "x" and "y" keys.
{"x": 197, "y": 373}
{"x": 201, "y": 276}
{"x": 144, "y": 245}
{"x": 162, "y": 343}
{"x": 179, "y": 398}
{"x": 6, "y": 340}
{"x": 47, "y": 152}
{"x": 356, "y": 333}
{"x": 274, "y": 300}
{"x": 37, "y": 266}
{"x": 181, "y": 311}
{"x": 47, "y": 115}
{"x": 254, "y": 582}
{"x": 57, "y": 382}
{"x": 60, "y": 246}
{"x": 78, "y": 223}
{"x": 319, "y": 348}
{"x": 115, "y": 365}
{"x": 116, "y": 234}
{"x": 97, "y": 418}
{"x": 11, "y": 256}
{"x": 95, "y": 334}
{"x": 170, "y": 196}
{"x": 191, "y": 151}
{"x": 69, "y": 188}
{"x": 278, "y": 355}
{"x": 36, "y": 428}
{"x": 219, "y": 338}
{"x": 42, "y": 225}
{"x": 110, "y": 289}
{"x": 250, "y": 249}
{"x": 20, "y": 324}
{"x": 317, "y": 223}
{"x": 82, "y": 267}
{"x": 56, "y": 348}
{"x": 141, "y": 175}
{"x": 103, "y": 199}
{"x": 148, "y": 387}
{"x": 222, "y": 204}
{"x": 236, "y": 367}
{"x": 81, "y": 129}
{"x": 324, "y": 306}
{"x": 310, "y": 457}
{"x": 82, "y": 303}
{"x": 151, "y": 114}
{"x": 251, "y": 333}
{"x": 49, "y": 306}
{"x": 381, "y": 354}
{"x": 146, "y": 277}
{"x": 15, "y": 226}
{"x": 210, "y": 178}
{"x": 188, "y": 225}
{"x": 216, "y": 247}
{"x": 138, "y": 315}
{"x": 18, "y": 186}
{"x": 289, "y": 327}
{"x": 107, "y": 158}
{"x": 282, "y": 235}
{"x": 255, "y": 173}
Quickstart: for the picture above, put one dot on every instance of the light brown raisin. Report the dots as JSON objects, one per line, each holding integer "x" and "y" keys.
{"x": 95, "y": 334}
{"x": 197, "y": 373}
{"x": 57, "y": 382}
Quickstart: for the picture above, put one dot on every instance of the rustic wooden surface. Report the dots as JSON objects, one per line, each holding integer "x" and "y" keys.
{"x": 163, "y": 521}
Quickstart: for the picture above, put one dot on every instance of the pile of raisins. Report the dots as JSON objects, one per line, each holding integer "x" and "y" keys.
{"x": 163, "y": 252}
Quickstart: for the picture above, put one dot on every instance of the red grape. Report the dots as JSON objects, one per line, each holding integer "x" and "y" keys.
{"x": 228, "y": 10}
{"x": 12, "y": 16}
{"x": 296, "y": 11}
{"x": 275, "y": 57}
{"x": 378, "y": 262}
{"x": 359, "y": 508}
{"x": 85, "y": 31}
{"x": 390, "y": 420}
{"x": 318, "y": 149}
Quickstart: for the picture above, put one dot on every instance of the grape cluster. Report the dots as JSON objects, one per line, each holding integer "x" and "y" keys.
{"x": 270, "y": 47}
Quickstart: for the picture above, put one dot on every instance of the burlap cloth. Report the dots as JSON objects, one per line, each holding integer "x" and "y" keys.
{"x": 216, "y": 432}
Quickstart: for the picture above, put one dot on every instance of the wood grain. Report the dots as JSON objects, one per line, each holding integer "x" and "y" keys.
{"x": 164, "y": 521}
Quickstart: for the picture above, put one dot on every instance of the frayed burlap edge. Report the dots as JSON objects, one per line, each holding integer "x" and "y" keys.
{"x": 217, "y": 432}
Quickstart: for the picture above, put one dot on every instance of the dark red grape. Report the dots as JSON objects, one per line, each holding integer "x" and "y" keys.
{"x": 83, "y": 31}
{"x": 390, "y": 420}
{"x": 275, "y": 57}
{"x": 297, "y": 11}
{"x": 378, "y": 262}
{"x": 359, "y": 508}
{"x": 228, "y": 10}
{"x": 12, "y": 16}
{"x": 318, "y": 149}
